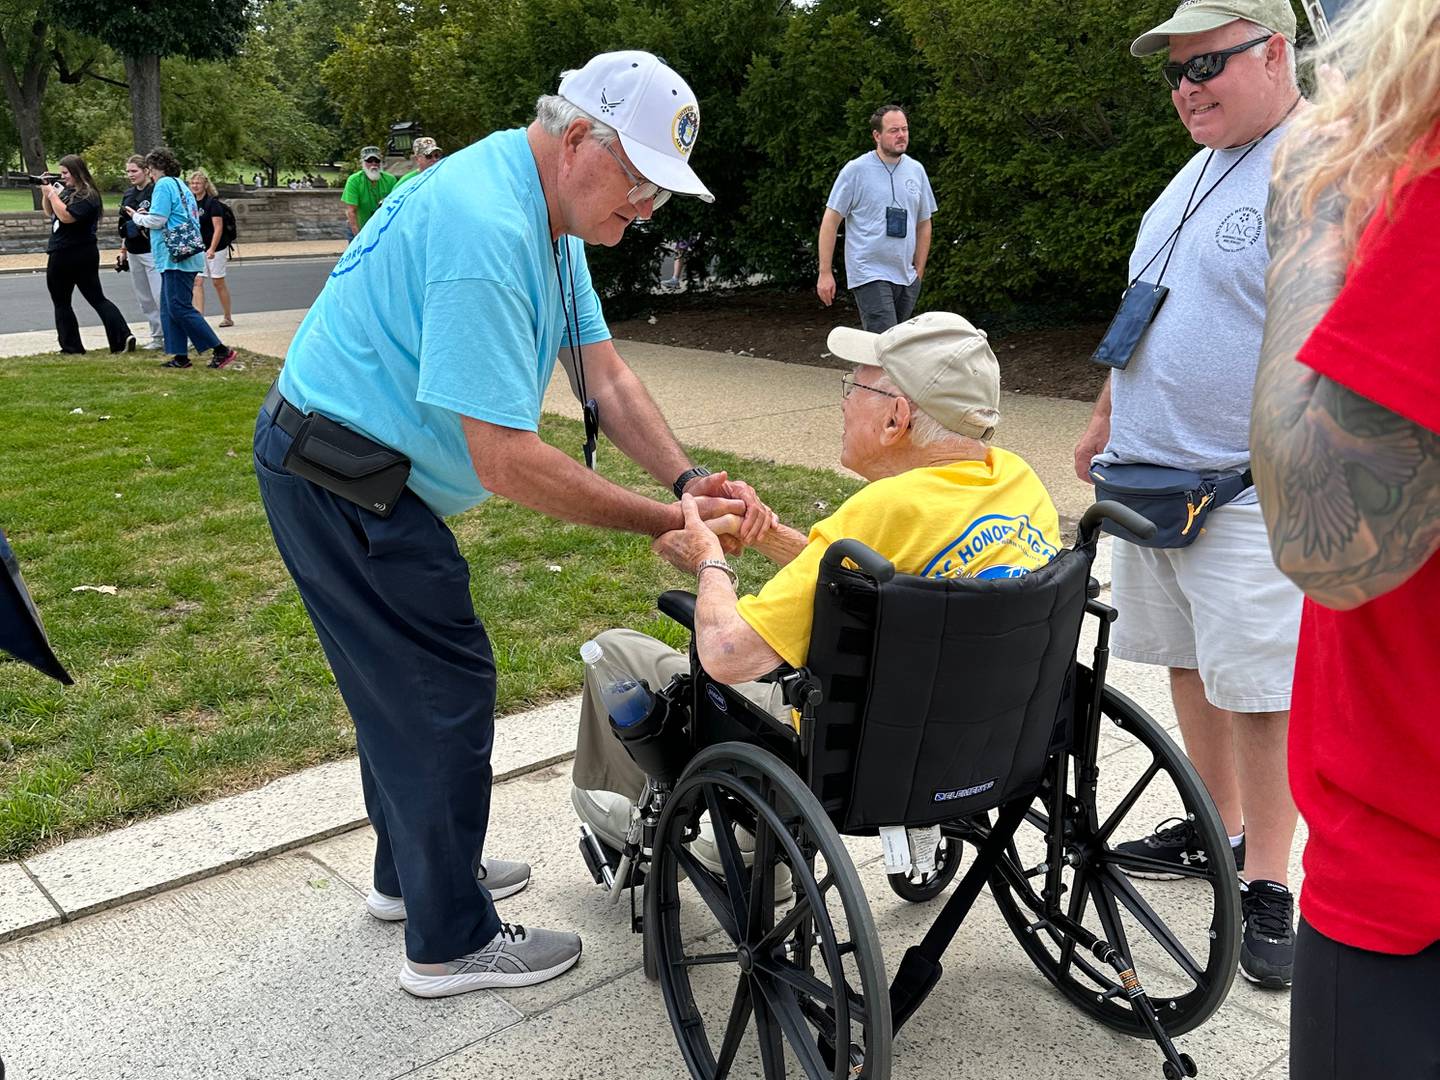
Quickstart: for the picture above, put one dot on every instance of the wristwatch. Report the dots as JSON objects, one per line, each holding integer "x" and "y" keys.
{"x": 719, "y": 564}
{"x": 685, "y": 477}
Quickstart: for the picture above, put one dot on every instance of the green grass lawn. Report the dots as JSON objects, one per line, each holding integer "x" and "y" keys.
{"x": 202, "y": 675}
{"x": 15, "y": 199}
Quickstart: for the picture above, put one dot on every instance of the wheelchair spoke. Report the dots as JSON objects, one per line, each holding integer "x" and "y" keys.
{"x": 1079, "y": 898}
{"x": 1121, "y": 860}
{"x": 786, "y": 1009}
{"x": 1145, "y": 915}
{"x": 723, "y": 828}
{"x": 761, "y": 915}
{"x": 767, "y": 1030}
{"x": 1131, "y": 797}
{"x": 1109, "y": 914}
{"x": 701, "y": 959}
{"x": 734, "y": 1029}
{"x": 711, "y": 891}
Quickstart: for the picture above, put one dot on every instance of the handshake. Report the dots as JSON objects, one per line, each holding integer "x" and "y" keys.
{"x": 720, "y": 517}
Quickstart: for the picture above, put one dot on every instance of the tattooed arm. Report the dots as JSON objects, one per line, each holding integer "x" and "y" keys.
{"x": 1347, "y": 486}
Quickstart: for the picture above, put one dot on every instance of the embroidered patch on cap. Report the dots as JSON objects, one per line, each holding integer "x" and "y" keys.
{"x": 684, "y": 128}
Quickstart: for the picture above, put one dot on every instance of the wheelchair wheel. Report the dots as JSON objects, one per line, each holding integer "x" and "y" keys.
{"x": 919, "y": 888}
{"x": 1182, "y": 937}
{"x": 765, "y": 990}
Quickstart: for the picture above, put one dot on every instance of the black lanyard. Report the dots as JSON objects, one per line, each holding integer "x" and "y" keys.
{"x": 891, "y": 172}
{"x": 590, "y": 410}
{"x": 1173, "y": 240}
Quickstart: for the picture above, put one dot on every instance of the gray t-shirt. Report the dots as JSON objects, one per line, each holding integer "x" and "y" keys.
{"x": 861, "y": 193}
{"x": 1184, "y": 400}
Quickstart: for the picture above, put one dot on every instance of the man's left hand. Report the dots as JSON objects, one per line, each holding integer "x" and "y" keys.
{"x": 685, "y": 549}
{"x": 759, "y": 518}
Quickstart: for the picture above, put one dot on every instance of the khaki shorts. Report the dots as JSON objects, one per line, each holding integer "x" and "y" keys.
{"x": 1218, "y": 606}
{"x": 215, "y": 267}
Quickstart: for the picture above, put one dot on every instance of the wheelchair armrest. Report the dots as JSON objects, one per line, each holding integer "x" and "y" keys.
{"x": 680, "y": 606}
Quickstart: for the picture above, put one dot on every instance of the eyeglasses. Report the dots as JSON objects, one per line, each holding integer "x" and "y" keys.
{"x": 434, "y": 155}
{"x": 1206, "y": 66}
{"x": 370, "y": 161}
{"x": 848, "y": 383}
{"x": 644, "y": 190}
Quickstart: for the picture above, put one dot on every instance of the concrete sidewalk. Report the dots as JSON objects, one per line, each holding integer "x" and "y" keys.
{"x": 230, "y": 938}
{"x": 34, "y": 262}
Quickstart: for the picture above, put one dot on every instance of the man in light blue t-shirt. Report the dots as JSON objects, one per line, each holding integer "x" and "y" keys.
{"x": 435, "y": 339}
{"x": 885, "y": 200}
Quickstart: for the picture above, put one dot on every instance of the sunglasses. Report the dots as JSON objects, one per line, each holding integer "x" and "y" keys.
{"x": 1206, "y": 66}
{"x": 370, "y": 161}
{"x": 848, "y": 384}
{"x": 643, "y": 190}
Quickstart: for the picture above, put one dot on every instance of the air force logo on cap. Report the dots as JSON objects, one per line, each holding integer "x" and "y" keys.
{"x": 653, "y": 109}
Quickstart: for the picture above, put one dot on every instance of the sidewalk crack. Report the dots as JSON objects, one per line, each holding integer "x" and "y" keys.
{"x": 64, "y": 916}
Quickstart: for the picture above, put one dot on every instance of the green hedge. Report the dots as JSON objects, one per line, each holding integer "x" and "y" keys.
{"x": 1045, "y": 140}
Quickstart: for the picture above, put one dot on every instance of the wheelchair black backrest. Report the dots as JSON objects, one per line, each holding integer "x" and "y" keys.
{"x": 943, "y": 697}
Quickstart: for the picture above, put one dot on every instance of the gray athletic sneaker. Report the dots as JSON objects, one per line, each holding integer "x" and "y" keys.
{"x": 514, "y": 957}
{"x": 502, "y": 877}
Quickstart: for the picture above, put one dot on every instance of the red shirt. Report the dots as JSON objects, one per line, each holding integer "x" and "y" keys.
{"x": 1365, "y": 721}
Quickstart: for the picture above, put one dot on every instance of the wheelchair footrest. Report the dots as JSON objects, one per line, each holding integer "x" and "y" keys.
{"x": 917, "y": 976}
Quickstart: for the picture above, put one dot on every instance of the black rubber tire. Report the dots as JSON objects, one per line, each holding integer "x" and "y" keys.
{"x": 789, "y": 961}
{"x": 947, "y": 864}
{"x": 1046, "y": 947}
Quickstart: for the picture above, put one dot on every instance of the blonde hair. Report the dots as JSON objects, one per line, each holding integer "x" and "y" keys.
{"x": 1362, "y": 132}
{"x": 209, "y": 184}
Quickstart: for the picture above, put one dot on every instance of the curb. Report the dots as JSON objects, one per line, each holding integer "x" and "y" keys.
{"x": 39, "y": 268}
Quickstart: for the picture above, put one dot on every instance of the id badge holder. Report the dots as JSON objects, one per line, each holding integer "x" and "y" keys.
{"x": 592, "y": 431}
{"x": 897, "y": 220}
{"x": 1138, "y": 309}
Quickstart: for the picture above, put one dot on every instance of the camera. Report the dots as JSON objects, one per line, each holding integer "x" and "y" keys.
{"x": 30, "y": 179}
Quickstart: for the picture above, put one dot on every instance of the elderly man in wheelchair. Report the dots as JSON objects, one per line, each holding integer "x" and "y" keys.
{"x": 910, "y": 672}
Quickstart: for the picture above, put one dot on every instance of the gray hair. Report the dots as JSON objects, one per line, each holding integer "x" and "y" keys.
{"x": 925, "y": 430}
{"x": 1256, "y": 29}
{"x": 554, "y": 114}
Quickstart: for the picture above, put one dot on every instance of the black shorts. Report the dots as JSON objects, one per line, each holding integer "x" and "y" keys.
{"x": 1357, "y": 1014}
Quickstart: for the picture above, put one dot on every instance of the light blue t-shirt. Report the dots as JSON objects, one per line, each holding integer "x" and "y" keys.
{"x": 173, "y": 201}
{"x": 861, "y": 194}
{"x": 445, "y": 305}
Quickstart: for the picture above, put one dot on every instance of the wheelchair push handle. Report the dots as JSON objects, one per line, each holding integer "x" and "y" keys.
{"x": 1120, "y": 514}
{"x": 871, "y": 563}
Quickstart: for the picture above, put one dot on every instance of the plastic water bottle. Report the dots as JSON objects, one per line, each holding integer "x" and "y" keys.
{"x": 625, "y": 698}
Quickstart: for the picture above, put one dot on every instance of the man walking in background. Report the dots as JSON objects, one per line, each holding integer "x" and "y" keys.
{"x": 1217, "y": 613}
{"x": 885, "y": 200}
{"x": 366, "y": 189}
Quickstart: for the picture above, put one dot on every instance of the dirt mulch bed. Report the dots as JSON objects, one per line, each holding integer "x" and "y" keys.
{"x": 792, "y": 326}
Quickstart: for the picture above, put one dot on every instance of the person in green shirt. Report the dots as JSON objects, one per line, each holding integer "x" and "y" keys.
{"x": 424, "y": 153}
{"x": 366, "y": 189}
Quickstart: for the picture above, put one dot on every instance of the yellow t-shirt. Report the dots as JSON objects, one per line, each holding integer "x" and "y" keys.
{"x": 986, "y": 519}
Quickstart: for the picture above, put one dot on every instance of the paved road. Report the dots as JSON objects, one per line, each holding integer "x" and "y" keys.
{"x": 255, "y": 285}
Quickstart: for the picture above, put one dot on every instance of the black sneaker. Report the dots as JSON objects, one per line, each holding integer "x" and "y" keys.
{"x": 178, "y": 362}
{"x": 1267, "y": 943}
{"x": 223, "y": 358}
{"x": 1175, "y": 844}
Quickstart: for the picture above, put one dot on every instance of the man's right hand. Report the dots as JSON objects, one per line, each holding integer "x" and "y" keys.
{"x": 825, "y": 287}
{"x": 1090, "y": 444}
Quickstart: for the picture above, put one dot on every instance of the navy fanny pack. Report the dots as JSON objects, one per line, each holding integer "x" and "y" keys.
{"x": 1177, "y": 500}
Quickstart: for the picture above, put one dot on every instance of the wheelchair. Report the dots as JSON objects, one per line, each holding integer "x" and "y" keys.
{"x": 955, "y": 708}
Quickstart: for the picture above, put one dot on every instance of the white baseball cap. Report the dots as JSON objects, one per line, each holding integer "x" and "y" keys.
{"x": 652, "y": 108}
{"x": 940, "y": 361}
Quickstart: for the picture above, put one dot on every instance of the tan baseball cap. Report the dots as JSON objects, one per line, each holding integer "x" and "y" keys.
{"x": 1198, "y": 16}
{"x": 940, "y": 362}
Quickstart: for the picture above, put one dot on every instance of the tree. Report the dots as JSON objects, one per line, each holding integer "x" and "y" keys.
{"x": 143, "y": 33}
{"x": 25, "y": 69}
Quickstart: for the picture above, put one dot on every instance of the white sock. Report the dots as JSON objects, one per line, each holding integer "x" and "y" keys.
{"x": 1235, "y": 840}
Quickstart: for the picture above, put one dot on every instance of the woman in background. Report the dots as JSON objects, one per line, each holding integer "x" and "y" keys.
{"x": 212, "y": 231}
{"x": 73, "y": 206}
{"x": 172, "y": 211}
{"x": 135, "y": 255}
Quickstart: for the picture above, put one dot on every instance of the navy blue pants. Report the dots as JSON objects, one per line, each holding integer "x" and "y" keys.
{"x": 390, "y": 600}
{"x": 179, "y": 321}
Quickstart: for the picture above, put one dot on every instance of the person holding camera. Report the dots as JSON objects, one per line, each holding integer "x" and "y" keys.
{"x": 135, "y": 256}
{"x": 73, "y": 206}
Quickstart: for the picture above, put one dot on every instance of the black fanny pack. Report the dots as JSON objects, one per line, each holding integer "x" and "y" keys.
{"x": 1177, "y": 500}
{"x": 339, "y": 460}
